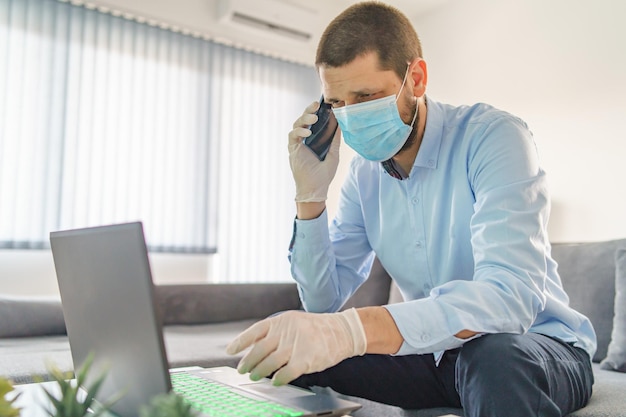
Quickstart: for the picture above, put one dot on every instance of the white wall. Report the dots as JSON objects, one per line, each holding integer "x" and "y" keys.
{"x": 201, "y": 18}
{"x": 558, "y": 64}
{"x": 561, "y": 66}
{"x": 31, "y": 272}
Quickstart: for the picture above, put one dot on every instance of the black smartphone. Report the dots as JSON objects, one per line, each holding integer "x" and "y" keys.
{"x": 322, "y": 131}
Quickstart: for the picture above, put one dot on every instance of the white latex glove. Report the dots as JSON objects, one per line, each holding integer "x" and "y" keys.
{"x": 312, "y": 176}
{"x": 297, "y": 343}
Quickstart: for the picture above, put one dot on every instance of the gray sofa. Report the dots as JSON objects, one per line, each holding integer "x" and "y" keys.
{"x": 200, "y": 320}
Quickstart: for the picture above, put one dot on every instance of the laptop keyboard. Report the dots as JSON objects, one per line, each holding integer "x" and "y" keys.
{"x": 219, "y": 400}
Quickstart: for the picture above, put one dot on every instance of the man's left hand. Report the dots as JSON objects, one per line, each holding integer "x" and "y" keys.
{"x": 296, "y": 343}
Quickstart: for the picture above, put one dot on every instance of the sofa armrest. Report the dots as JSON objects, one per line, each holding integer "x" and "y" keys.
{"x": 218, "y": 303}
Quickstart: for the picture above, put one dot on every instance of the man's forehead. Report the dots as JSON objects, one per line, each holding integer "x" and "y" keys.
{"x": 365, "y": 63}
{"x": 355, "y": 78}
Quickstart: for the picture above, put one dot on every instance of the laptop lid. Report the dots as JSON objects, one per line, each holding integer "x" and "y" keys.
{"x": 107, "y": 292}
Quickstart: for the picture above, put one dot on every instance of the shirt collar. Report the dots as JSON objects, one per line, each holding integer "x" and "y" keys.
{"x": 428, "y": 154}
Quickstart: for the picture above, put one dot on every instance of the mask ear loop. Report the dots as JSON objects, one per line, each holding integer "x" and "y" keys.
{"x": 406, "y": 75}
{"x": 415, "y": 115}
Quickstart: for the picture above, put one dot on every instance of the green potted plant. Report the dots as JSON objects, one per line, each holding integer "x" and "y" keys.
{"x": 76, "y": 398}
{"x": 72, "y": 401}
{"x": 7, "y": 408}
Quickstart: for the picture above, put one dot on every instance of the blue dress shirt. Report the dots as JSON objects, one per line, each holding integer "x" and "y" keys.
{"x": 463, "y": 236}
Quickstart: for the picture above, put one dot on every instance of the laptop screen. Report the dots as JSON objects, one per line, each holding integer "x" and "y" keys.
{"x": 107, "y": 294}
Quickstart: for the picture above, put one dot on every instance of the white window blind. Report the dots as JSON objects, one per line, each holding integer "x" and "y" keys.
{"x": 105, "y": 120}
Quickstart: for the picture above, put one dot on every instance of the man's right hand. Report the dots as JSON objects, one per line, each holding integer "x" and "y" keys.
{"x": 312, "y": 176}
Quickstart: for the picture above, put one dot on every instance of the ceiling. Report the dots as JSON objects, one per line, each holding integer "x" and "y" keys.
{"x": 202, "y": 18}
{"x": 412, "y": 8}
{"x": 328, "y": 9}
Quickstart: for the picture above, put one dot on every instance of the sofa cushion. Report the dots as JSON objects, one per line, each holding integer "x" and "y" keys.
{"x": 588, "y": 274}
{"x": 25, "y": 359}
{"x": 203, "y": 344}
{"x": 608, "y": 395}
{"x": 616, "y": 357}
{"x": 30, "y": 316}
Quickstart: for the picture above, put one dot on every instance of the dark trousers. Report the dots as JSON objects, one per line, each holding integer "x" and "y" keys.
{"x": 503, "y": 375}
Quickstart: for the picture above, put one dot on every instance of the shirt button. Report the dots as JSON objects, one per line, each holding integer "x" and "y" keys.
{"x": 418, "y": 244}
{"x": 431, "y": 162}
{"x": 416, "y": 200}
{"x": 425, "y": 337}
{"x": 300, "y": 235}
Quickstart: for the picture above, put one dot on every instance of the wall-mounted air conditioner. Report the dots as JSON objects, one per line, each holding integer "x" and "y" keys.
{"x": 271, "y": 16}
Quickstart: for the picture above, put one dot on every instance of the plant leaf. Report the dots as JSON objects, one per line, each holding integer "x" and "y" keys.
{"x": 76, "y": 396}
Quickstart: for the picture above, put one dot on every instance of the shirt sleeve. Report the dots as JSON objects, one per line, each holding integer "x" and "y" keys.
{"x": 509, "y": 243}
{"x": 330, "y": 265}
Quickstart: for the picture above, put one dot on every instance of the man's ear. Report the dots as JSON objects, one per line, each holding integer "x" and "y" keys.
{"x": 419, "y": 74}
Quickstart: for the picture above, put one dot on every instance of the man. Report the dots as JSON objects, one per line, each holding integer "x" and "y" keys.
{"x": 453, "y": 202}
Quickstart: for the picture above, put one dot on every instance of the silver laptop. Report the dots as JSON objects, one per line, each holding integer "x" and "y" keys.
{"x": 107, "y": 293}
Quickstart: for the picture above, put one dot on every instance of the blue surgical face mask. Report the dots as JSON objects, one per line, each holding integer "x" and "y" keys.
{"x": 374, "y": 128}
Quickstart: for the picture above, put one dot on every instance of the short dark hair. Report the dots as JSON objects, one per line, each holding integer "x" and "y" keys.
{"x": 369, "y": 27}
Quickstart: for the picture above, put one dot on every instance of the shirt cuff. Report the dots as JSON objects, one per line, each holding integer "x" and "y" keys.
{"x": 424, "y": 327}
{"x": 311, "y": 233}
